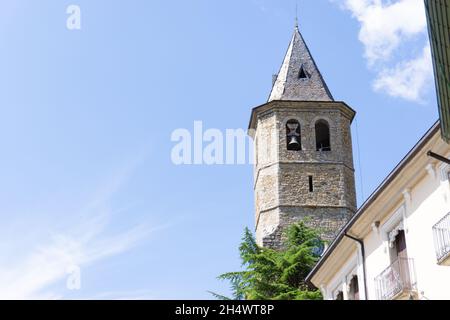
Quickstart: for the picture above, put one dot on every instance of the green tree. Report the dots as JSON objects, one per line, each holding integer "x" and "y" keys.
{"x": 276, "y": 274}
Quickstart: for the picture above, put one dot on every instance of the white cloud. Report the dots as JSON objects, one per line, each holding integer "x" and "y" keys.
{"x": 86, "y": 240}
{"x": 386, "y": 28}
{"x": 385, "y": 24}
{"x": 408, "y": 79}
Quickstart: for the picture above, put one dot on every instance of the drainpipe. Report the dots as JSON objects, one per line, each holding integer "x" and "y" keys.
{"x": 363, "y": 254}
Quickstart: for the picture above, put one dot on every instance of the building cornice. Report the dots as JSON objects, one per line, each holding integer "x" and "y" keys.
{"x": 304, "y": 105}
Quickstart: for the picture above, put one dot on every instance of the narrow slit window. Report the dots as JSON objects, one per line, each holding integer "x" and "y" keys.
{"x": 311, "y": 184}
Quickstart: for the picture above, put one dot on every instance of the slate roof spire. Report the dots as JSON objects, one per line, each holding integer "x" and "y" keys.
{"x": 299, "y": 78}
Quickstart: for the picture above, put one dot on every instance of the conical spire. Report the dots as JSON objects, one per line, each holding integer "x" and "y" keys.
{"x": 299, "y": 78}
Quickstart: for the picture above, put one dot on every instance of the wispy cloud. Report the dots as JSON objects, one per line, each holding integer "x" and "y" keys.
{"x": 408, "y": 79}
{"x": 86, "y": 240}
{"x": 388, "y": 31}
{"x": 50, "y": 262}
{"x": 261, "y": 4}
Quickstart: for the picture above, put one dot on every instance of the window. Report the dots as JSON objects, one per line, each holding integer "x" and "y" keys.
{"x": 339, "y": 296}
{"x": 303, "y": 74}
{"x": 441, "y": 234}
{"x": 311, "y": 184}
{"x": 293, "y": 135}
{"x": 397, "y": 244}
{"x": 398, "y": 279}
{"x": 354, "y": 289}
{"x": 322, "y": 136}
{"x": 399, "y": 256}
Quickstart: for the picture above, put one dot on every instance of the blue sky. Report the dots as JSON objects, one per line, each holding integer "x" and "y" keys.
{"x": 87, "y": 115}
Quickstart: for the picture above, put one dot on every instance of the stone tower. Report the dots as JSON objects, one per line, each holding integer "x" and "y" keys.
{"x": 303, "y": 150}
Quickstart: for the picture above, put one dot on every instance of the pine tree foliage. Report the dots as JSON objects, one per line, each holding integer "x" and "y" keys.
{"x": 276, "y": 274}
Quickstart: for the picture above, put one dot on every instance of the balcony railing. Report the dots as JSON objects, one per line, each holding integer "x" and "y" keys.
{"x": 397, "y": 281}
{"x": 441, "y": 233}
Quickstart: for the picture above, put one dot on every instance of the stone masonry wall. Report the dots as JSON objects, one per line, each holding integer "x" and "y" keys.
{"x": 327, "y": 220}
{"x": 282, "y": 194}
{"x": 331, "y": 185}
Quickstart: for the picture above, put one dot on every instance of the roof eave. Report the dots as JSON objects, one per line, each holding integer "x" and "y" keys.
{"x": 268, "y": 105}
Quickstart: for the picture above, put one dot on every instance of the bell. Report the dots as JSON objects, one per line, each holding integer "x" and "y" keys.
{"x": 294, "y": 142}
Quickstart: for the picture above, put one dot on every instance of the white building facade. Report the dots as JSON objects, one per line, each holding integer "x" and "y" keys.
{"x": 397, "y": 245}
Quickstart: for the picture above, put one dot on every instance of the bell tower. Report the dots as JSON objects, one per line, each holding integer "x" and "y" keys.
{"x": 303, "y": 149}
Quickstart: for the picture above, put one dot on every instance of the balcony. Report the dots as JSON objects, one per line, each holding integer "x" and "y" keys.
{"x": 441, "y": 234}
{"x": 397, "y": 282}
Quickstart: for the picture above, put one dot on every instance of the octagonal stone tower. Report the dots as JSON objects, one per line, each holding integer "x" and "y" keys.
{"x": 303, "y": 149}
